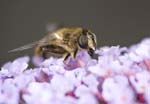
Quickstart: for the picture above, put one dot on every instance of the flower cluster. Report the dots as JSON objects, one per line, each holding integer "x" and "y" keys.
{"x": 120, "y": 76}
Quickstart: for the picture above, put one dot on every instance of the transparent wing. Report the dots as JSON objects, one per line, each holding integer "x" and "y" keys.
{"x": 50, "y": 28}
{"x": 28, "y": 46}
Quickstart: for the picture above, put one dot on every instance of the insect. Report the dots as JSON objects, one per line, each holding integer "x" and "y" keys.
{"x": 63, "y": 42}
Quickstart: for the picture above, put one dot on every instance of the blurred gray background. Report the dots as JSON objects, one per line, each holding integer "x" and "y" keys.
{"x": 115, "y": 22}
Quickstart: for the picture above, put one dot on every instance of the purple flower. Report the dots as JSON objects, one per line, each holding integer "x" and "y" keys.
{"x": 38, "y": 93}
{"x": 116, "y": 90}
{"x": 92, "y": 82}
{"x": 140, "y": 81}
{"x": 119, "y": 76}
{"x": 82, "y": 59}
{"x": 62, "y": 84}
{"x": 9, "y": 93}
{"x": 16, "y": 67}
{"x": 147, "y": 95}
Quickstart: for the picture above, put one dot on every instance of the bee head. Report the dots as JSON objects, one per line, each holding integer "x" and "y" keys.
{"x": 87, "y": 41}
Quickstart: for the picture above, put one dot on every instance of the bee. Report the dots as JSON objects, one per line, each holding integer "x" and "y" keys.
{"x": 63, "y": 42}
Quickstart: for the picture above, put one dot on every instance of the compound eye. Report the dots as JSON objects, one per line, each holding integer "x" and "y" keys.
{"x": 83, "y": 41}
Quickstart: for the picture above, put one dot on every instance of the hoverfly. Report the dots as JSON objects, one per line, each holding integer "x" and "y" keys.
{"x": 63, "y": 42}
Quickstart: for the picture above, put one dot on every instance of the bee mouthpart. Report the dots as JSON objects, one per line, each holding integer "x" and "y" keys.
{"x": 91, "y": 52}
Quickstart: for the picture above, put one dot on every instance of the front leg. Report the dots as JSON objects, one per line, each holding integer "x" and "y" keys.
{"x": 45, "y": 54}
{"x": 66, "y": 56}
{"x": 75, "y": 53}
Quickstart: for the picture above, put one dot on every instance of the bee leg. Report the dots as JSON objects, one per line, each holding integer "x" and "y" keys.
{"x": 44, "y": 55}
{"x": 75, "y": 53}
{"x": 66, "y": 57}
{"x": 39, "y": 52}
